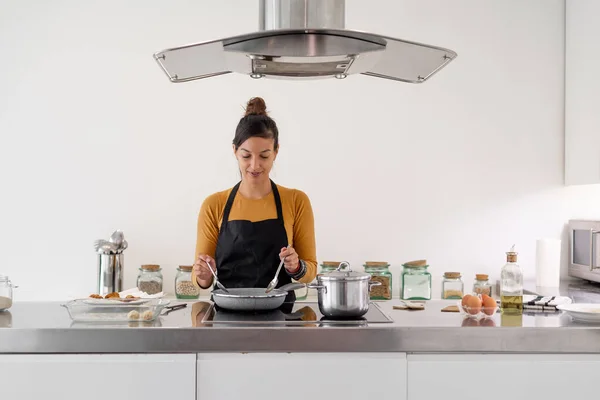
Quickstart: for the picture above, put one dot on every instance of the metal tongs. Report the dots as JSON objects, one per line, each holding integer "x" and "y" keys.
{"x": 174, "y": 308}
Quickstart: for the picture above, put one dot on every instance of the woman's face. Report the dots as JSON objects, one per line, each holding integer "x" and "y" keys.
{"x": 255, "y": 158}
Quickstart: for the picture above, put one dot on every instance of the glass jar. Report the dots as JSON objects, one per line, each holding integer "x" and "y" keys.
{"x": 6, "y": 293}
{"x": 452, "y": 286}
{"x": 416, "y": 282}
{"x": 482, "y": 285}
{"x": 380, "y": 272}
{"x": 184, "y": 287}
{"x": 328, "y": 266}
{"x": 150, "y": 279}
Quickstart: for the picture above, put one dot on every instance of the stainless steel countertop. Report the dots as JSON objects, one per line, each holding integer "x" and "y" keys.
{"x": 47, "y": 328}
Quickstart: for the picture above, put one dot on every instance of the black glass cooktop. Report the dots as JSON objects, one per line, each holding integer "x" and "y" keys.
{"x": 297, "y": 313}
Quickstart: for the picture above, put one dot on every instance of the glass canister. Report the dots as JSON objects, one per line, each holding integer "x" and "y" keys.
{"x": 6, "y": 293}
{"x": 150, "y": 279}
{"x": 416, "y": 281}
{"x": 482, "y": 285}
{"x": 184, "y": 287}
{"x": 380, "y": 272}
{"x": 329, "y": 266}
{"x": 452, "y": 286}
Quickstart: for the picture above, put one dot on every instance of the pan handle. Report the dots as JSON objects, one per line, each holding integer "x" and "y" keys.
{"x": 292, "y": 286}
{"x": 318, "y": 287}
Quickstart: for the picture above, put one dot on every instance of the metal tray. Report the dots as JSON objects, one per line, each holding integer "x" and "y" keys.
{"x": 81, "y": 311}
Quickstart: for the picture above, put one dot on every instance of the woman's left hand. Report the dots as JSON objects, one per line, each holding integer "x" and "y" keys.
{"x": 291, "y": 261}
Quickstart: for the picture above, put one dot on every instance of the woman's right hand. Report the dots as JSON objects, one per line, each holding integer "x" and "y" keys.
{"x": 201, "y": 269}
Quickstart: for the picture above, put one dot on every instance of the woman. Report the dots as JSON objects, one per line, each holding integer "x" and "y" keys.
{"x": 245, "y": 231}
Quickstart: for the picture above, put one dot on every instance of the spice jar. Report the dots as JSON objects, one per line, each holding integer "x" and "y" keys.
{"x": 329, "y": 266}
{"x": 184, "y": 287}
{"x": 482, "y": 285}
{"x": 416, "y": 281}
{"x": 150, "y": 279}
{"x": 452, "y": 286}
{"x": 380, "y": 272}
{"x": 6, "y": 293}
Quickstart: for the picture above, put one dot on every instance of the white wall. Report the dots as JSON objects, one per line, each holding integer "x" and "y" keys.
{"x": 95, "y": 138}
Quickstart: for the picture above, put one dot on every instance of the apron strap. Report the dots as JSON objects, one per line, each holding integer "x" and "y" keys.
{"x": 228, "y": 205}
{"x": 277, "y": 202}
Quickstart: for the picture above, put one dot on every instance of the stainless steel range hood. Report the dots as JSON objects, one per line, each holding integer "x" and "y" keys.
{"x": 304, "y": 39}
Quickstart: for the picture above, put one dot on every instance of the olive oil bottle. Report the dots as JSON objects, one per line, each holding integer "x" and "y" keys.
{"x": 511, "y": 284}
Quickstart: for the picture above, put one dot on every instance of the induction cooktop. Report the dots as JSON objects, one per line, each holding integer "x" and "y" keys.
{"x": 292, "y": 314}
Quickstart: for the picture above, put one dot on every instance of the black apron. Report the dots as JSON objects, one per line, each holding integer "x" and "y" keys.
{"x": 247, "y": 253}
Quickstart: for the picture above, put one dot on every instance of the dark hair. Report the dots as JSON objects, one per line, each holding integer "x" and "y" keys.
{"x": 256, "y": 123}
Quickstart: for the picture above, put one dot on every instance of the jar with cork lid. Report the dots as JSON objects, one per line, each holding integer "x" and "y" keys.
{"x": 482, "y": 285}
{"x": 452, "y": 286}
{"x": 380, "y": 272}
{"x": 184, "y": 287}
{"x": 329, "y": 266}
{"x": 150, "y": 279}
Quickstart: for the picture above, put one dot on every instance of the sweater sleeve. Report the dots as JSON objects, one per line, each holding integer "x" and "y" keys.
{"x": 208, "y": 229}
{"x": 304, "y": 235}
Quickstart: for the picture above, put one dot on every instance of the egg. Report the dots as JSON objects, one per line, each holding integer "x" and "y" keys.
{"x": 473, "y": 305}
{"x": 488, "y": 303}
{"x": 465, "y": 299}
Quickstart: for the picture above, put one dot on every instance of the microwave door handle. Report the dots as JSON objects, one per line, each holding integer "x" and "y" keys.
{"x": 593, "y": 250}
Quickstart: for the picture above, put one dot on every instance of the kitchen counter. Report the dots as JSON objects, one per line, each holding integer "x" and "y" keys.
{"x": 32, "y": 327}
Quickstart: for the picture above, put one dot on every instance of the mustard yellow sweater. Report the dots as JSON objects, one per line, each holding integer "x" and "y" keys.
{"x": 298, "y": 219}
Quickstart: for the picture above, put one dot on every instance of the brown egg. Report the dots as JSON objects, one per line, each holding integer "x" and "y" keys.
{"x": 473, "y": 305}
{"x": 465, "y": 299}
{"x": 488, "y": 303}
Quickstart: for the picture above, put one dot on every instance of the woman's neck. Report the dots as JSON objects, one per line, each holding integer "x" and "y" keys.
{"x": 256, "y": 190}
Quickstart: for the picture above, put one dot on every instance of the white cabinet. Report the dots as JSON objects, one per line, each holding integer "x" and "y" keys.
{"x": 502, "y": 376}
{"x": 301, "y": 376}
{"x": 582, "y": 92}
{"x": 98, "y": 377}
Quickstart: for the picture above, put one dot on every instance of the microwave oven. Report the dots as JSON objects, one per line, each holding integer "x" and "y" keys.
{"x": 584, "y": 249}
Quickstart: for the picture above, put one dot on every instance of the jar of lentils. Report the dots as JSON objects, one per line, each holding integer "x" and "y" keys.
{"x": 184, "y": 287}
{"x": 150, "y": 279}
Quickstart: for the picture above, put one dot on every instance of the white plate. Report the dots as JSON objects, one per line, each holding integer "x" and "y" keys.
{"x": 112, "y": 302}
{"x": 586, "y": 312}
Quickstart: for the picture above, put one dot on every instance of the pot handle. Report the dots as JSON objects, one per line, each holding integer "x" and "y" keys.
{"x": 373, "y": 283}
{"x": 318, "y": 287}
{"x": 343, "y": 264}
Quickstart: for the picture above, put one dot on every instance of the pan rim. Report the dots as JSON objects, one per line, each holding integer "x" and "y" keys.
{"x": 274, "y": 293}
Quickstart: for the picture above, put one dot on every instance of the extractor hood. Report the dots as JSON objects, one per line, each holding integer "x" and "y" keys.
{"x": 304, "y": 39}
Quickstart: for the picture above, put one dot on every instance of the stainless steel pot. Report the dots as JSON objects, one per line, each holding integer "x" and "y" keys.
{"x": 344, "y": 293}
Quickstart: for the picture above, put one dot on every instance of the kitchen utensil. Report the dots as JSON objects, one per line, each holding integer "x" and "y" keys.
{"x": 173, "y": 308}
{"x": 117, "y": 238}
{"x": 343, "y": 294}
{"x": 253, "y": 299}
{"x": 110, "y": 273}
{"x": 105, "y": 247}
{"x": 219, "y": 284}
{"x": 274, "y": 282}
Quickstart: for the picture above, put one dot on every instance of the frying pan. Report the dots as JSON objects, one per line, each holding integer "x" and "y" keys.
{"x": 253, "y": 299}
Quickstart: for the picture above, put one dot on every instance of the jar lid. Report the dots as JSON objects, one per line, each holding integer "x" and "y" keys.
{"x": 151, "y": 267}
{"x": 186, "y": 267}
{"x": 452, "y": 275}
{"x": 341, "y": 274}
{"x": 415, "y": 264}
{"x": 481, "y": 277}
{"x": 331, "y": 263}
{"x": 377, "y": 264}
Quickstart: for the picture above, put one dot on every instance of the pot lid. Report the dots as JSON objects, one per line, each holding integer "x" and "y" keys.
{"x": 305, "y": 39}
{"x": 341, "y": 274}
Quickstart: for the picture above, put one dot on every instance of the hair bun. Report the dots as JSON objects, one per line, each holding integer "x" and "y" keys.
{"x": 256, "y": 106}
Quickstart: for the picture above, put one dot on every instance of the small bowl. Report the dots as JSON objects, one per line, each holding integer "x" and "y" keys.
{"x": 483, "y": 312}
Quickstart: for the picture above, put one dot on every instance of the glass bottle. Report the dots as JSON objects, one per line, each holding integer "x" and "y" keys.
{"x": 452, "y": 286}
{"x": 416, "y": 282}
{"x": 184, "y": 287}
{"x": 482, "y": 285}
{"x": 511, "y": 284}
{"x": 380, "y": 272}
{"x": 6, "y": 293}
{"x": 150, "y": 279}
